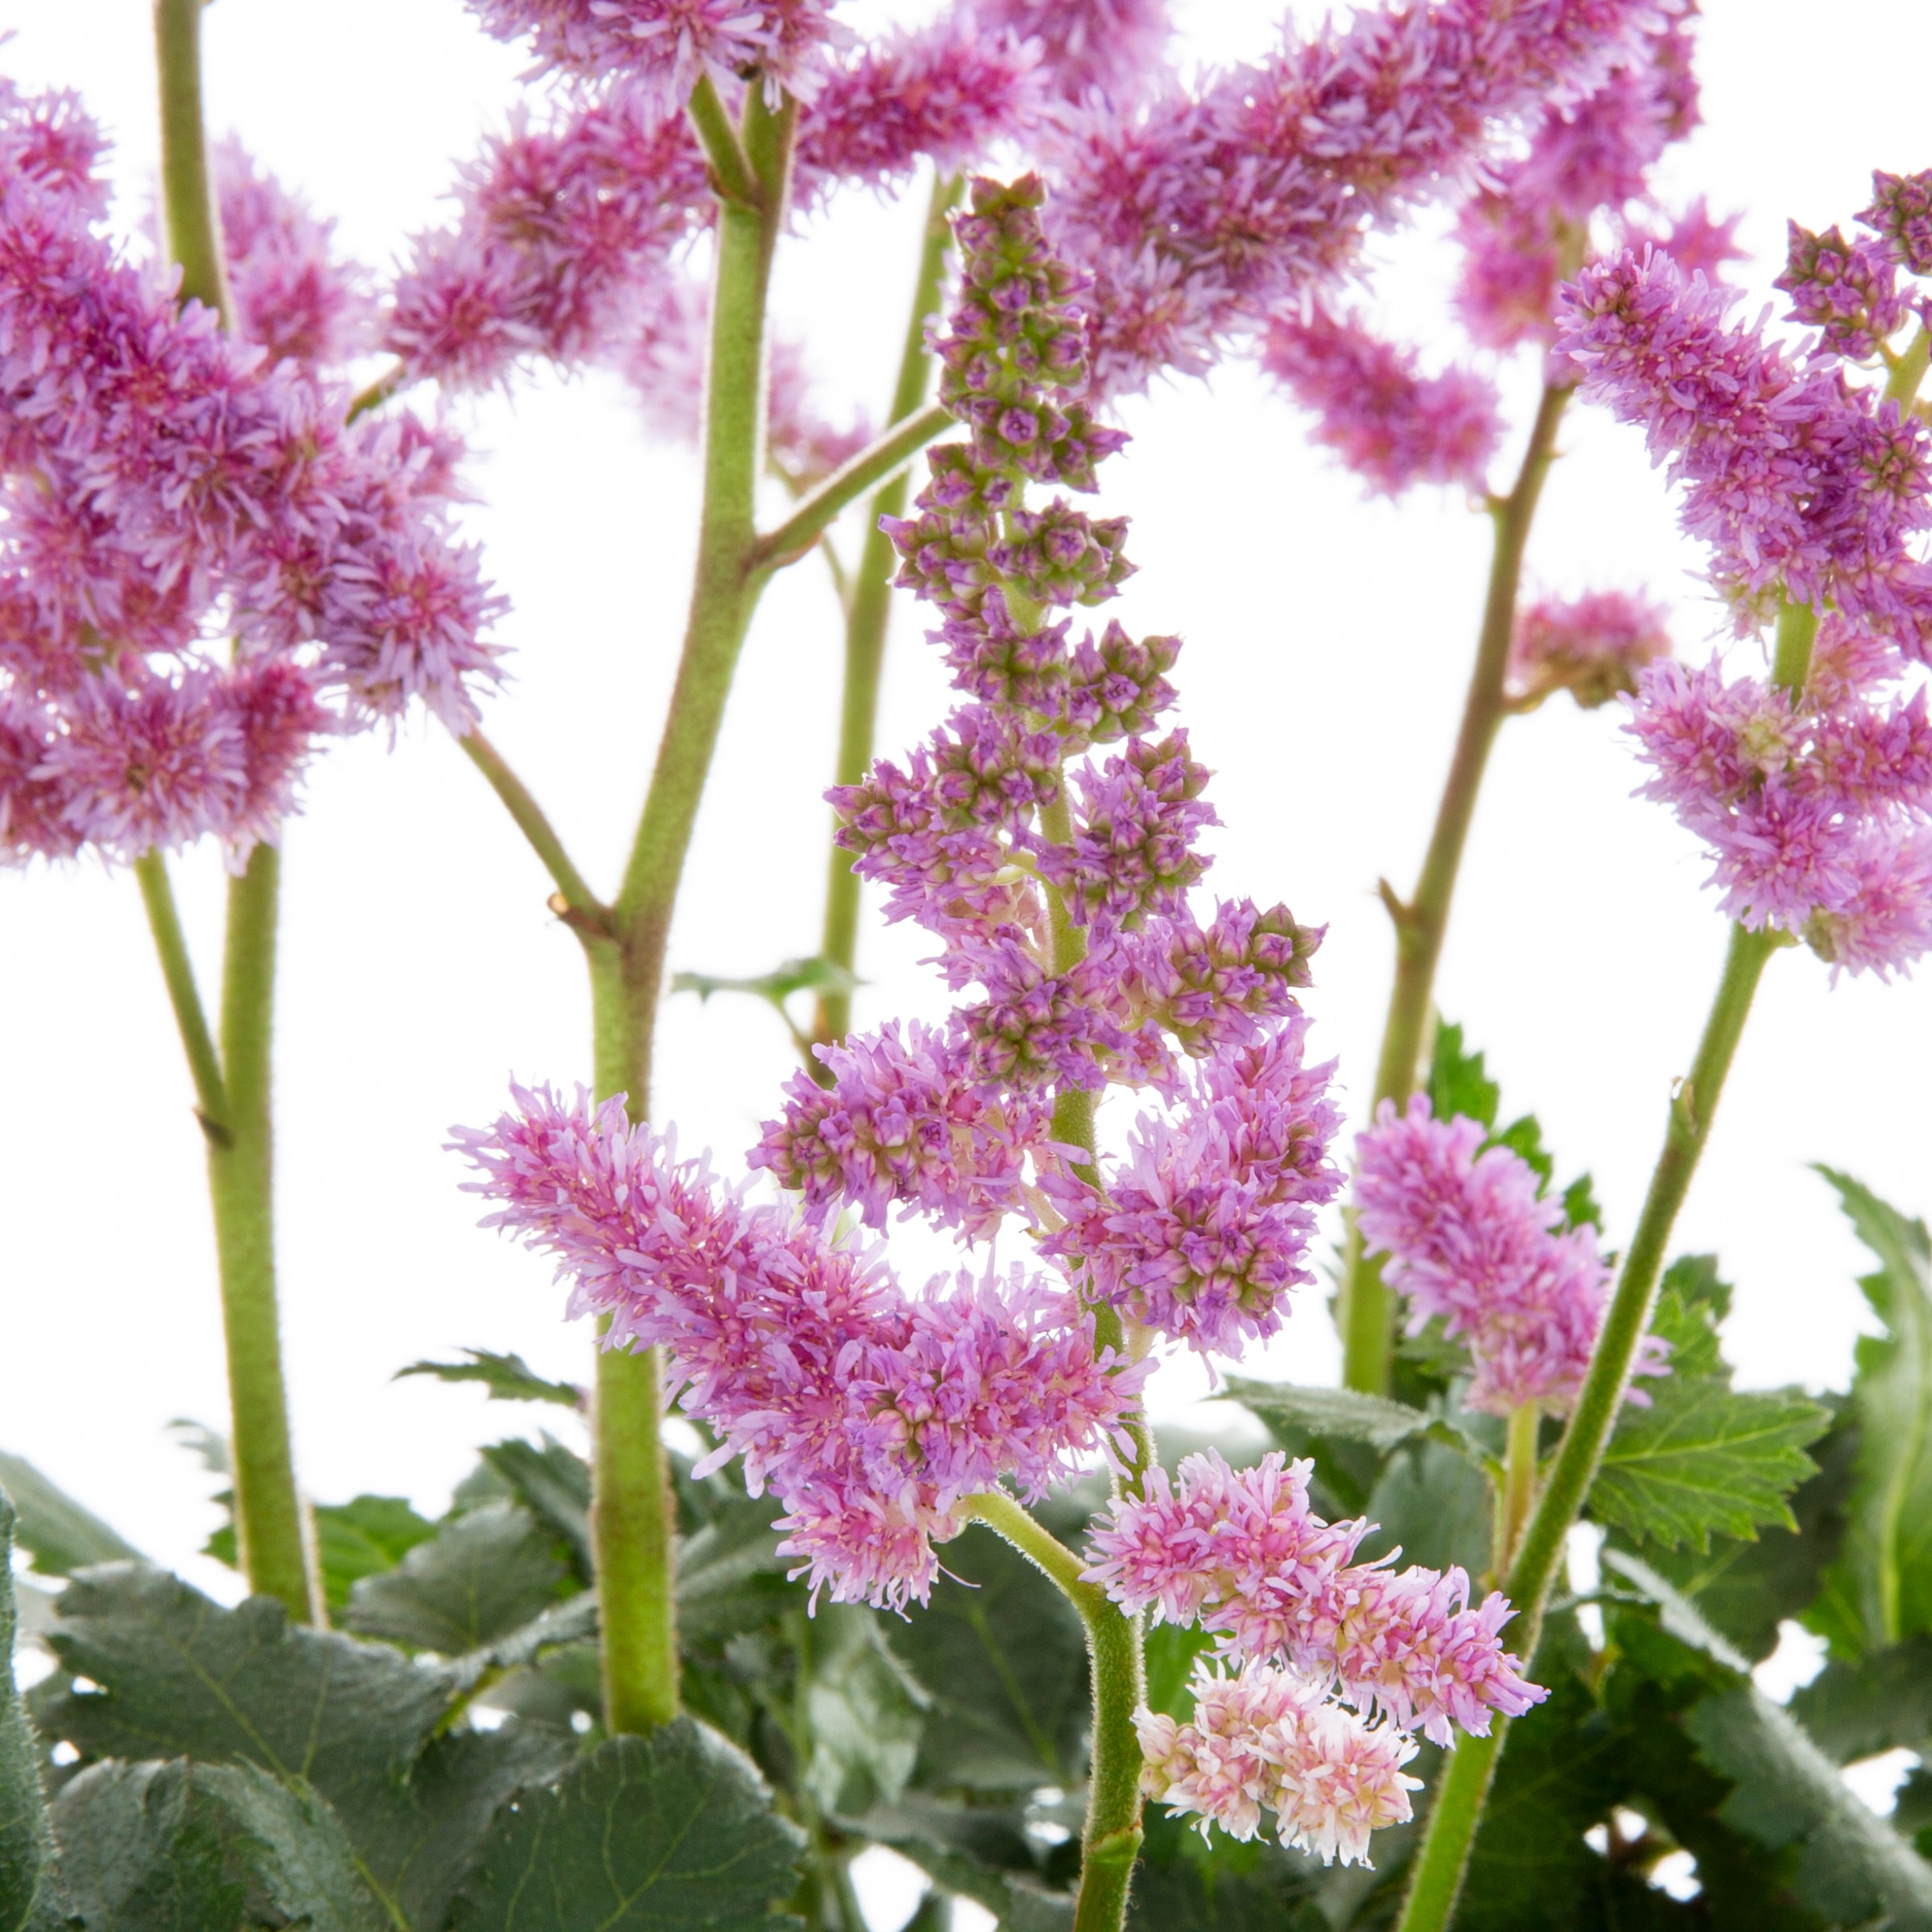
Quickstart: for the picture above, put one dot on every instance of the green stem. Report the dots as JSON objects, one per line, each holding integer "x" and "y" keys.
{"x": 1909, "y": 369}
{"x": 1438, "y": 1869}
{"x": 1519, "y": 1494}
{"x": 633, "y": 1523}
{"x": 269, "y": 1517}
{"x": 868, "y": 611}
{"x": 1111, "y": 1839}
{"x": 888, "y": 452}
{"x": 193, "y": 226}
{"x": 235, "y": 1076}
{"x": 178, "y": 972}
{"x": 578, "y": 904}
{"x": 733, "y": 177}
{"x": 1366, "y": 1311}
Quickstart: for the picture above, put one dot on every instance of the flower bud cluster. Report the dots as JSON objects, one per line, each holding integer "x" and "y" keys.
{"x": 165, "y": 488}
{"x": 1469, "y": 1237}
{"x": 1848, "y": 290}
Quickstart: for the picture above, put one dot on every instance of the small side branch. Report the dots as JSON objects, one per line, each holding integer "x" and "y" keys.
{"x": 184, "y": 995}
{"x": 732, "y": 173}
{"x": 871, "y": 466}
{"x": 580, "y": 908}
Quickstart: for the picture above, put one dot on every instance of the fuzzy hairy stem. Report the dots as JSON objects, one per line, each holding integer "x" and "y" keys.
{"x": 868, "y": 613}
{"x": 633, "y": 1523}
{"x": 1110, "y": 1840}
{"x": 580, "y": 907}
{"x": 1365, "y": 1311}
{"x": 233, "y": 1078}
{"x": 1517, "y": 1495}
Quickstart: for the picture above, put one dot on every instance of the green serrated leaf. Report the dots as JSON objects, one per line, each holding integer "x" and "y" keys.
{"x": 1523, "y": 1138}
{"x": 1580, "y": 1208}
{"x": 178, "y": 1676}
{"x": 1171, "y": 1651}
{"x": 30, "y": 1884}
{"x": 673, "y": 1832}
{"x": 187, "y": 1847}
{"x": 55, "y": 1530}
{"x": 553, "y": 1483}
{"x": 364, "y": 1538}
{"x": 1457, "y": 1081}
{"x": 1690, "y": 1302}
{"x": 1880, "y": 1590}
{"x": 508, "y": 1378}
{"x": 1002, "y": 1655}
{"x": 485, "y": 1573}
{"x": 1704, "y": 1458}
{"x": 1185, "y": 1884}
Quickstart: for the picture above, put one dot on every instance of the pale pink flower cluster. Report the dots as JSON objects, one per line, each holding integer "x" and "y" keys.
{"x": 1268, "y": 1741}
{"x": 165, "y": 489}
{"x": 874, "y": 1414}
{"x": 1242, "y": 1553}
{"x": 1594, "y": 646}
{"x": 1467, "y": 1237}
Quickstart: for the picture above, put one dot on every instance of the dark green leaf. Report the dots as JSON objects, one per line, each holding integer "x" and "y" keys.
{"x": 508, "y": 1378}
{"x": 1435, "y": 1505}
{"x": 60, "y": 1536}
{"x": 1562, "y": 1773}
{"x": 1704, "y": 1458}
{"x": 1882, "y": 1702}
{"x": 1185, "y": 1883}
{"x": 364, "y": 1538}
{"x": 1880, "y": 1590}
{"x": 178, "y": 1676}
{"x": 731, "y": 1577}
{"x": 866, "y": 1713}
{"x": 1002, "y": 1655}
{"x": 553, "y": 1484}
{"x": 181, "y": 1847}
{"x": 481, "y": 1576}
{"x": 29, "y": 1883}
{"x": 1171, "y": 1651}
{"x": 1580, "y": 1208}
{"x": 980, "y": 1852}
{"x": 667, "y": 1832}
{"x": 1457, "y": 1082}
{"x": 1852, "y": 1866}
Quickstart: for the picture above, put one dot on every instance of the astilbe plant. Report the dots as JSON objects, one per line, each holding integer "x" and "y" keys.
{"x": 215, "y": 558}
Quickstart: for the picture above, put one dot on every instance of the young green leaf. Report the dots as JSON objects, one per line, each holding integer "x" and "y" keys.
{"x": 673, "y": 1832}
{"x": 1880, "y": 1590}
{"x": 484, "y": 1574}
{"x": 508, "y": 1378}
{"x": 865, "y": 1712}
{"x": 364, "y": 1538}
{"x": 553, "y": 1484}
{"x": 186, "y": 1847}
{"x": 59, "y": 1534}
{"x": 1345, "y": 1413}
{"x": 1457, "y": 1081}
{"x": 1702, "y": 1458}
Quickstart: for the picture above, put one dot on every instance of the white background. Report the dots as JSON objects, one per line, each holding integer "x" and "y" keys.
{"x": 1329, "y": 642}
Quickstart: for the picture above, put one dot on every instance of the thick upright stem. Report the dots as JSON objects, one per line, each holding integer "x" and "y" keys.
{"x": 232, "y": 1080}
{"x": 1366, "y": 1311}
{"x": 633, "y": 1523}
{"x": 269, "y": 1519}
{"x": 1111, "y": 1839}
{"x": 867, "y": 616}
{"x": 1466, "y": 1774}
{"x": 1519, "y": 1494}
{"x": 187, "y": 201}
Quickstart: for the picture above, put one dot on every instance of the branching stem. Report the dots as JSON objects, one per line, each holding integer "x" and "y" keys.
{"x": 1366, "y": 1313}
